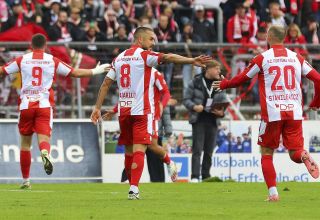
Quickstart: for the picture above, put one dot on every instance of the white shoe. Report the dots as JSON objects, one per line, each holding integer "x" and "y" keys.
{"x": 194, "y": 180}
{"x": 172, "y": 171}
{"x": 133, "y": 196}
{"x": 25, "y": 185}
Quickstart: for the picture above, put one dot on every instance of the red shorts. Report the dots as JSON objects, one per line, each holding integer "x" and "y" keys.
{"x": 135, "y": 129}
{"x": 38, "y": 120}
{"x": 155, "y": 129}
{"x": 290, "y": 130}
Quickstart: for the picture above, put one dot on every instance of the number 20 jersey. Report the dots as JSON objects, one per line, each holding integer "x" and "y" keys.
{"x": 132, "y": 69}
{"x": 279, "y": 75}
{"x": 37, "y": 71}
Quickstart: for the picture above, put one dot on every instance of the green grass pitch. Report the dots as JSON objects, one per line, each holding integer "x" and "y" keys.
{"x": 159, "y": 201}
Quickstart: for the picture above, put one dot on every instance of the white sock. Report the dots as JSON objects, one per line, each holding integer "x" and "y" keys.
{"x": 273, "y": 191}
{"x": 134, "y": 189}
{"x": 26, "y": 179}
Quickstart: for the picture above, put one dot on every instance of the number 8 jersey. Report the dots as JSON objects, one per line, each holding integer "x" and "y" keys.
{"x": 132, "y": 69}
{"x": 279, "y": 76}
{"x": 37, "y": 71}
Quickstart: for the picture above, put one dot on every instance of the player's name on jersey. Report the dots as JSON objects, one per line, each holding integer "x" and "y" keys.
{"x": 284, "y": 97}
{"x": 281, "y": 60}
{"x": 127, "y": 95}
{"x": 37, "y": 62}
{"x": 34, "y": 91}
{"x": 128, "y": 59}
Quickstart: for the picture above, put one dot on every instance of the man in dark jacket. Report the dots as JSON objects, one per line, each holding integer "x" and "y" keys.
{"x": 205, "y": 107}
{"x": 204, "y": 28}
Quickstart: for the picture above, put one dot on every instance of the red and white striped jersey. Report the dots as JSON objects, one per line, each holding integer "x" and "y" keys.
{"x": 132, "y": 71}
{"x": 279, "y": 75}
{"x": 37, "y": 71}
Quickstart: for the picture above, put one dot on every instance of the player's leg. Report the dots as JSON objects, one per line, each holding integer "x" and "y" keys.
{"x": 25, "y": 160}
{"x": 269, "y": 137}
{"x": 43, "y": 127}
{"x": 171, "y": 166}
{"x": 142, "y": 127}
{"x": 294, "y": 142}
{"x": 128, "y": 157}
{"x": 26, "y": 128}
{"x": 45, "y": 147}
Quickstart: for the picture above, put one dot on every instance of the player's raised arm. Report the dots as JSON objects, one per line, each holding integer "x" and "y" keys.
{"x": 99, "y": 69}
{"x": 175, "y": 58}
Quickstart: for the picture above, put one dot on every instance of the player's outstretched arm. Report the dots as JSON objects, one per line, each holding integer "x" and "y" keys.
{"x": 99, "y": 69}
{"x": 175, "y": 58}
{"x": 103, "y": 91}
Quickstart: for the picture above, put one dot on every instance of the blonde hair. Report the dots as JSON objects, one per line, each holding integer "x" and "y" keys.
{"x": 278, "y": 32}
{"x": 295, "y": 27}
{"x": 212, "y": 64}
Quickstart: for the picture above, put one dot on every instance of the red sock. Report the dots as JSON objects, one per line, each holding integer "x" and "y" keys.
{"x": 166, "y": 159}
{"x": 44, "y": 146}
{"x": 268, "y": 170}
{"x": 25, "y": 163}
{"x": 127, "y": 165}
{"x": 296, "y": 157}
{"x": 136, "y": 172}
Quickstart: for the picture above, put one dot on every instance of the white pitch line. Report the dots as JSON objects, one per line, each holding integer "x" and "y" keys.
{"x": 57, "y": 191}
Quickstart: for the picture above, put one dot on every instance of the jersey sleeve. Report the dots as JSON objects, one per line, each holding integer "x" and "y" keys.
{"x": 151, "y": 58}
{"x": 112, "y": 72}
{"x": 62, "y": 68}
{"x": 12, "y": 67}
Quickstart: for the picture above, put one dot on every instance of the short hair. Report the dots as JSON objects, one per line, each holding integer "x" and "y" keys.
{"x": 38, "y": 41}
{"x": 278, "y": 32}
{"x": 140, "y": 31}
{"x": 212, "y": 64}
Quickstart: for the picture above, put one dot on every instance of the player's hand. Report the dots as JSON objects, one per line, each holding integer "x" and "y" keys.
{"x": 95, "y": 116}
{"x": 172, "y": 102}
{"x": 161, "y": 108}
{"x": 99, "y": 69}
{"x": 216, "y": 84}
{"x": 201, "y": 60}
{"x": 108, "y": 115}
{"x": 198, "y": 108}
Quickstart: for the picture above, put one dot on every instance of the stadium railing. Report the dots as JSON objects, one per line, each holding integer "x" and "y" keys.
{"x": 75, "y": 101}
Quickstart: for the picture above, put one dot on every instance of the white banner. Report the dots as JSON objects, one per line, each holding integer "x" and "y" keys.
{"x": 241, "y": 164}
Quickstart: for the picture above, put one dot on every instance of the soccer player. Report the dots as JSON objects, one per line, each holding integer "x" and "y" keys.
{"x": 132, "y": 71}
{"x": 279, "y": 73}
{"x": 161, "y": 99}
{"x": 38, "y": 70}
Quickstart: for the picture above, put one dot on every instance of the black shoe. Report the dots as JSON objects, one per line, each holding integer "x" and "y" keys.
{"x": 47, "y": 165}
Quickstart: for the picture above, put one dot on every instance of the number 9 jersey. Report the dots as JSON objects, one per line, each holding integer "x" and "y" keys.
{"x": 37, "y": 71}
{"x": 279, "y": 76}
{"x": 132, "y": 69}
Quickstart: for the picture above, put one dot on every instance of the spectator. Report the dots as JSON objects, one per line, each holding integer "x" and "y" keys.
{"x": 89, "y": 11}
{"x": 93, "y": 35}
{"x": 75, "y": 18}
{"x": 198, "y": 99}
{"x": 129, "y": 12}
{"x": 202, "y": 26}
{"x": 120, "y": 36}
{"x": 260, "y": 41}
{"x": 109, "y": 24}
{"x": 312, "y": 31}
{"x": 276, "y": 15}
{"x": 3, "y": 11}
{"x": 246, "y": 143}
{"x": 76, "y": 4}
{"x": 188, "y": 36}
{"x": 64, "y": 31}
{"x": 240, "y": 27}
{"x": 165, "y": 34}
{"x": 98, "y": 7}
{"x": 172, "y": 23}
{"x": 50, "y": 17}
{"x": 294, "y": 36}
{"x": 17, "y": 19}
